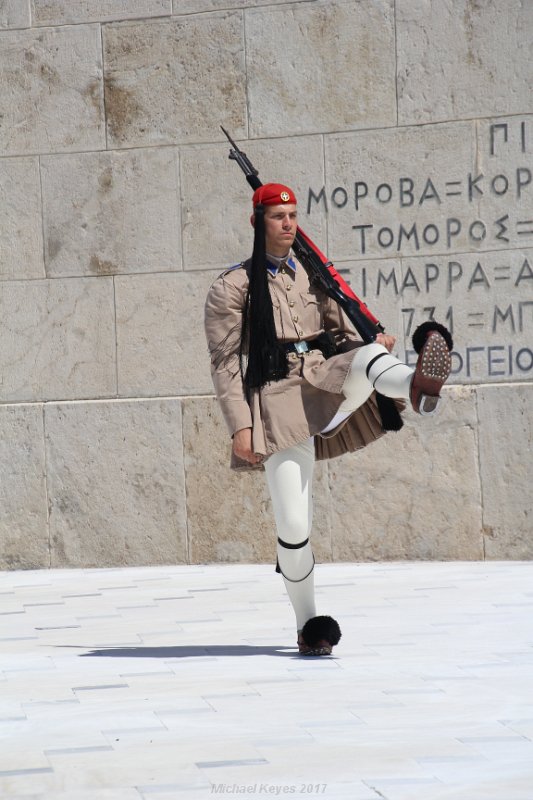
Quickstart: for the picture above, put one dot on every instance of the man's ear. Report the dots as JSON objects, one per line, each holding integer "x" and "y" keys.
{"x": 252, "y": 220}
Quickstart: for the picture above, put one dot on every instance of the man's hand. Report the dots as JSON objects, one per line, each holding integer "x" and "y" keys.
{"x": 242, "y": 446}
{"x": 386, "y": 340}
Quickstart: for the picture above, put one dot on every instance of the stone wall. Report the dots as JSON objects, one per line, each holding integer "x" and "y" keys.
{"x": 406, "y": 128}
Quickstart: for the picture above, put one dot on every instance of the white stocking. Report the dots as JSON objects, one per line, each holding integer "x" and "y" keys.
{"x": 289, "y": 475}
{"x": 373, "y": 367}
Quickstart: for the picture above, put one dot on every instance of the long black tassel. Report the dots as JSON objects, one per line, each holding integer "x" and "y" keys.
{"x": 267, "y": 358}
{"x": 391, "y": 419}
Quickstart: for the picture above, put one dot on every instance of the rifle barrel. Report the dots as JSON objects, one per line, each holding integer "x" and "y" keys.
{"x": 232, "y": 143}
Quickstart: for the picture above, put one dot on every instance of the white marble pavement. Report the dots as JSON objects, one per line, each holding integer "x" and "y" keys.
{"x": 183, "y": 682}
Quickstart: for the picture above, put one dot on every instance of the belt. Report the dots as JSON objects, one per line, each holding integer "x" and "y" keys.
{"x": 323, "y": 343}
{"x": 304, "y": 347}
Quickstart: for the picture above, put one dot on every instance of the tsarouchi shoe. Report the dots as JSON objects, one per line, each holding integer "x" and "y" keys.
{"x": 318, "y": 636}
{"x": 433, "y": 343}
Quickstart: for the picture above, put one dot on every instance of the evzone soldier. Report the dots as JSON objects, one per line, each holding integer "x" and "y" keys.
{"x": 295, "y": 384}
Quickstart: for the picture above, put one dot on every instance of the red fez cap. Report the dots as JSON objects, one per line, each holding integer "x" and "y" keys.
{"x": 273, "y": 194}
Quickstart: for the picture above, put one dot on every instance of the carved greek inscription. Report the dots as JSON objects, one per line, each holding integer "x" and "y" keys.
{"x": 466, "y": 261}
{"x": 493, "y": 361}
{"x": 514, "y": 188}
{"x": 482, "y": 301}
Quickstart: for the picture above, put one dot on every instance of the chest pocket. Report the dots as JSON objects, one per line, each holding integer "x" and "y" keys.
{"x": 311, "y": 312}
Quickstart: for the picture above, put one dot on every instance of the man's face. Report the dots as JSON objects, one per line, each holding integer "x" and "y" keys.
{"x": 280, "y": 228}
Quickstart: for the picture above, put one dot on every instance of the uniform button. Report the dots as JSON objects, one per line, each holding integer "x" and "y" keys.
{"x": 300, "y": 334}
{"x": 295, "y": 318}
{"x": 288, "y": 287}
{"x": 291, "y": 303}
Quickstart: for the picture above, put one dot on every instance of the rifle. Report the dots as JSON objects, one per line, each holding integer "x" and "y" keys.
{"x": 320, "y": 270}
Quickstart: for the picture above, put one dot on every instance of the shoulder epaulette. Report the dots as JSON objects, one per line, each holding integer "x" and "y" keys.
{"x": 230, "y": 269}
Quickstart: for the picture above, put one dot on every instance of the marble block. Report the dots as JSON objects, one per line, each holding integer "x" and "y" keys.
{"x": 413, "y": 494}
{"x": 67, "y": 12}
{"x": 174, "y": 80}
{"x": 51, "y": 93}
{"x": 15, "y": 14}
{"x": 21, "y": 235}
{"x": 107, "y": 213}
{"x": 58, "y": 339}
{"x": 320, "y": 66}
{"x": 194, "y": 6}
{"x": 229, "y": 513}
{"x": 161, "y": 347}
{"x": 505, "y": 445}
{"x": 463, "y": 59}
{"x": 217, "y": 201}
{"x": 115, "y": 483}
{"x": 23, "y": 501}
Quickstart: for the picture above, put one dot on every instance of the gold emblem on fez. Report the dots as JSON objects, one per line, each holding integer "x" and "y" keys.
{"x": 285, "y": 197}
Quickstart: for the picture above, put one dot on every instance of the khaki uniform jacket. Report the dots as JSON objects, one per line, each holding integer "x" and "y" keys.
{"x": 286, "y": 412}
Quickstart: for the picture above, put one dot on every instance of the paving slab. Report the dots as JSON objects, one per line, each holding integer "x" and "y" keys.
{"x": 171, "y": 682}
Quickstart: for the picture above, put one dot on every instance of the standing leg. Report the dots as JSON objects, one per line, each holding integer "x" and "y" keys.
{"x": 290, "y": 475}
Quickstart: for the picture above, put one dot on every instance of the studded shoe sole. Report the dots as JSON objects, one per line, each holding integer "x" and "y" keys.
{"x": 322, "y": 648}
{"x": 432, "y": 371}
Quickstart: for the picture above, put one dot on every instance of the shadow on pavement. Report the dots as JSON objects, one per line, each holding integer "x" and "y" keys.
{"x": 194, "y": 651}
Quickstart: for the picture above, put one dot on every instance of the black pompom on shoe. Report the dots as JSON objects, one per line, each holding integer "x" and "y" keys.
{"x": 318, "y": 636}
{"x": 421, "y": 334}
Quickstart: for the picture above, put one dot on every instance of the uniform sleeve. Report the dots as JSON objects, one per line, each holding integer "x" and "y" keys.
{"x": 337, "y": 323}
{"x": 223, "y": 321}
